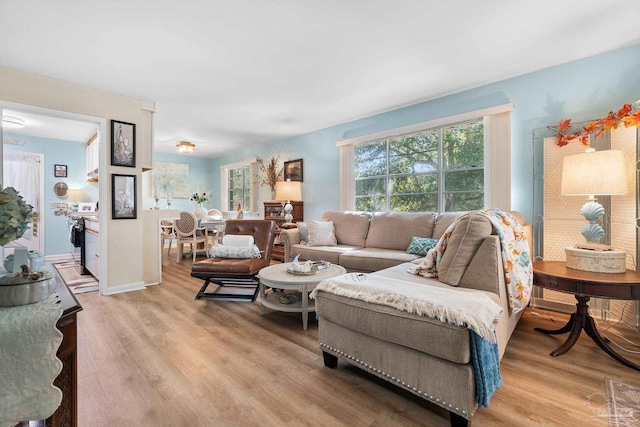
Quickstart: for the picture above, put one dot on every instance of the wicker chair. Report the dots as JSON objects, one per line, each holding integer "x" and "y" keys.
{"x": 188, "y": 232}
{"x": 236, "y": 278}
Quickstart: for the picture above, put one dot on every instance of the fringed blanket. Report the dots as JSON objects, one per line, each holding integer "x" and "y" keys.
{"x": 474, "y": 310}
{"x": 518, "y": 271}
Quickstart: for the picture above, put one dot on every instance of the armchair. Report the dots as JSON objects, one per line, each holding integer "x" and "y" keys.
{"x": 188, "y": 232}
{"x": 237, "y": 276}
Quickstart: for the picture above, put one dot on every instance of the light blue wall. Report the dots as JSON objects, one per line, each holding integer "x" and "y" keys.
{"x": 200, "y": 174}
{"x": 68, "y": 153}
{"x": 581, "y": 90}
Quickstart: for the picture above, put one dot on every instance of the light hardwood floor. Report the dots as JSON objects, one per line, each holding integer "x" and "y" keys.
{"x": 159, "y": 358}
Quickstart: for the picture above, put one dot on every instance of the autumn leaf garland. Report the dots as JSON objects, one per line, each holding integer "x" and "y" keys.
{"x": 627, "y": 115}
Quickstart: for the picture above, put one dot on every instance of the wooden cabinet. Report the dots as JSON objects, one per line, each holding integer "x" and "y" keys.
{"x": 275, "y": 211}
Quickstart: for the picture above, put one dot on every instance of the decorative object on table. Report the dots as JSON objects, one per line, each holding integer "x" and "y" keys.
{"x": 170, "y": 180}
{"x": 270, "y": 173}
{"x": 60, "y": 171}
{"x": 288, "y": 190}
{"x": 26, "y": 287}
{"x": 200, "y": 197}
{"x": 293, "y": 170}
{"x": 123, "y": 197}
{"x": 15, "y": 215}
{"x": 288, "y": 299}
{"x": 239, "y": 213}
{"x": 35, "y": 261}
{"x": 629, "y": 115}
{"x": 123, "y": 144}
{"x": 321, "y": 265}
{"x": 186, "y": 147}
{"x": 156, "y": 203}
{"x": 168, "y": 201}
{"x": 589, "y": 174}
{"x": 307, "y": 268}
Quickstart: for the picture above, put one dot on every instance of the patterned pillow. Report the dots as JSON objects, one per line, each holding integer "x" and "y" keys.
{"x": 421, "y": 245}
{"x": 243, "y": 252}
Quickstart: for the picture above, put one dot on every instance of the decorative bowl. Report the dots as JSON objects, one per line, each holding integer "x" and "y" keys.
{"x": 311, "y": 272}
{"x": 15, "y": 289}
{"x": 36, "y": 261}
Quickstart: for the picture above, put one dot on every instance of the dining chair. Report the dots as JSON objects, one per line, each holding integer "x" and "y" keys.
{"x": 188, "y": 232}
{"x": 167, "y": 233}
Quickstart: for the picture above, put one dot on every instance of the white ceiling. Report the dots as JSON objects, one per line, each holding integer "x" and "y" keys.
{"x": 239, "y": 73}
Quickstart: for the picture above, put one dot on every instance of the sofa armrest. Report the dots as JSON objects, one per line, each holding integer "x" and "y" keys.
{"x": 289, "y": 238}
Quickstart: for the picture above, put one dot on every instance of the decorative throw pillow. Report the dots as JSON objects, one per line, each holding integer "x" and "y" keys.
{"x": 237, "y": 240}
{"x": 243, "y": 252}
{"x": 321, "y": 233}
{"x": 421, "y": 245}
{"x": 304, "y": 232}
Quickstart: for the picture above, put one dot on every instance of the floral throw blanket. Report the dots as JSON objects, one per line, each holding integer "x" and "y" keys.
{"x": 518, "y": 271}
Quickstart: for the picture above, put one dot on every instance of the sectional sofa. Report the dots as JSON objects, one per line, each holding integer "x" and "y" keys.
{"x": 423, "y": 355}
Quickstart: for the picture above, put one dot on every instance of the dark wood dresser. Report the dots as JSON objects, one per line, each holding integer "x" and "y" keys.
{"x": 67, "y": 413}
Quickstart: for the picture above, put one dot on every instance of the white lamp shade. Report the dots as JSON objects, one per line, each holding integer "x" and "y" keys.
{"x": 594, "y": 172}
{"x": 75, "y": 195}
{"x": 289, "y": 190}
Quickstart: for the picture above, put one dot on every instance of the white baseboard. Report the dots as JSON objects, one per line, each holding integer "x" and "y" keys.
{"x": 138, "y": 286}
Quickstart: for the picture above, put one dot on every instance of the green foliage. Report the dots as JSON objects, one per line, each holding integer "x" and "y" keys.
{"x": 15, "y": 215}
{"x": 406, "y": 168}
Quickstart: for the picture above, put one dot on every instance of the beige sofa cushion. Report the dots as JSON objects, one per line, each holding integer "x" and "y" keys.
{"x": 463, "y": 244}
{"x": 350, "y": 227}
{"x": 317, "y": 253}
{"x": 374, "y": 259}
{"x": 443, "y": 221}
{"x": 394, "y": 230}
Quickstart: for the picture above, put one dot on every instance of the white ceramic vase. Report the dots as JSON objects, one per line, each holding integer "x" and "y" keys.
{"x": 200, "y": 212}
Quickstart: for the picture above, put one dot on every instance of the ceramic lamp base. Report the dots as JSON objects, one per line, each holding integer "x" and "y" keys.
{"x": 613, "y": 261}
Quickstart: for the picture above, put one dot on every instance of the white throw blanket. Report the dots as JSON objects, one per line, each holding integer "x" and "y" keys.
{"x": 474, "y": 310}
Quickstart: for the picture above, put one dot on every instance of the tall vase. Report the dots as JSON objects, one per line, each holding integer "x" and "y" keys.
{"x": 200, "y": 212}
{"x": 273, "y": 193}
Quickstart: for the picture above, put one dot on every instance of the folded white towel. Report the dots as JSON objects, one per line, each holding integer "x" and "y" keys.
{"x": 237, "y": 240}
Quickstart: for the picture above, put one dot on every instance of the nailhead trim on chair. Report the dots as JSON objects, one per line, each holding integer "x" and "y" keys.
{"x": 384, "y": 374}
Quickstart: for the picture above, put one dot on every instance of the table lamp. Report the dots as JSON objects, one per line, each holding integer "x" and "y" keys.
{"x": 74, "y": 195}
{"x": 288, "y": 190}
{"x": 589, "y": 174}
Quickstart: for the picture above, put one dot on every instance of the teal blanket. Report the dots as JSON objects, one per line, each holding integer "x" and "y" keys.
{"x": 486, "y": 365}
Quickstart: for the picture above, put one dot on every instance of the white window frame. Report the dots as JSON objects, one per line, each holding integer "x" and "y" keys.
{"x": 224, "y": 184}
{"x": 497, "y": 154}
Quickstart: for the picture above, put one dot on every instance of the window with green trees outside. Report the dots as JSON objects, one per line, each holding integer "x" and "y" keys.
{"x": 239, "y": 187}
{"x": 436, "y": 170}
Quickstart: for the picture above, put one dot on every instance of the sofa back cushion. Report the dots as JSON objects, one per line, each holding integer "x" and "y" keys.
{"x": 443, "y": 221}
{"x": 466, "y": 238}
{"x": 350, "y": 227}
{"x": 394, "y": 230}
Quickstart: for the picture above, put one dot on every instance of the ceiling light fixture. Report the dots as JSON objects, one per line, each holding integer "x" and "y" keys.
{"x": 12, "y": 122}
{"x": 186, "y": 147}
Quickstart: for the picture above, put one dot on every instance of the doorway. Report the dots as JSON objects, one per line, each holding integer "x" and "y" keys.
{"x": 24, "y": 172}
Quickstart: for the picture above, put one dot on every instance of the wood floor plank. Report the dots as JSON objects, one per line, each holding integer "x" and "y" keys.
{"x": 158, "y": 357}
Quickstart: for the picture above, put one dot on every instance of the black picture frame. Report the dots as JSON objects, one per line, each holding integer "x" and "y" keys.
{"x": 293, "y": 170}
{"x": 123, "y": 197}
{"x": 60, "y": 171}
{"x": 123, "y": 144}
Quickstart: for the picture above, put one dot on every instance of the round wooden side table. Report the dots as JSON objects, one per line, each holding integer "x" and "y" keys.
{"x": 555, "y": 275}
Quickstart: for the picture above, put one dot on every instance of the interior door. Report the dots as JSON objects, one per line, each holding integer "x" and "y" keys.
{"x": 24, "y": 171}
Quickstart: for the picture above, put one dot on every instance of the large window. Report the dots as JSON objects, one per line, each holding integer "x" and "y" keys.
{"x": 438, "y": 170}
{"x": 239, "y": 187}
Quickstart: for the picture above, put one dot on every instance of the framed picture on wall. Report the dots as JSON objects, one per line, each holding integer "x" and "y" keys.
{"x": 60, "y": 171}
{"x": 123, "y": 144}
{"x": 123, "y": 197}
{"x": 293, "y": 170}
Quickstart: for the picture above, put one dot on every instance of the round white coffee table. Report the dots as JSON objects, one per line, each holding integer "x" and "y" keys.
{"x": 276, "y": 277}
